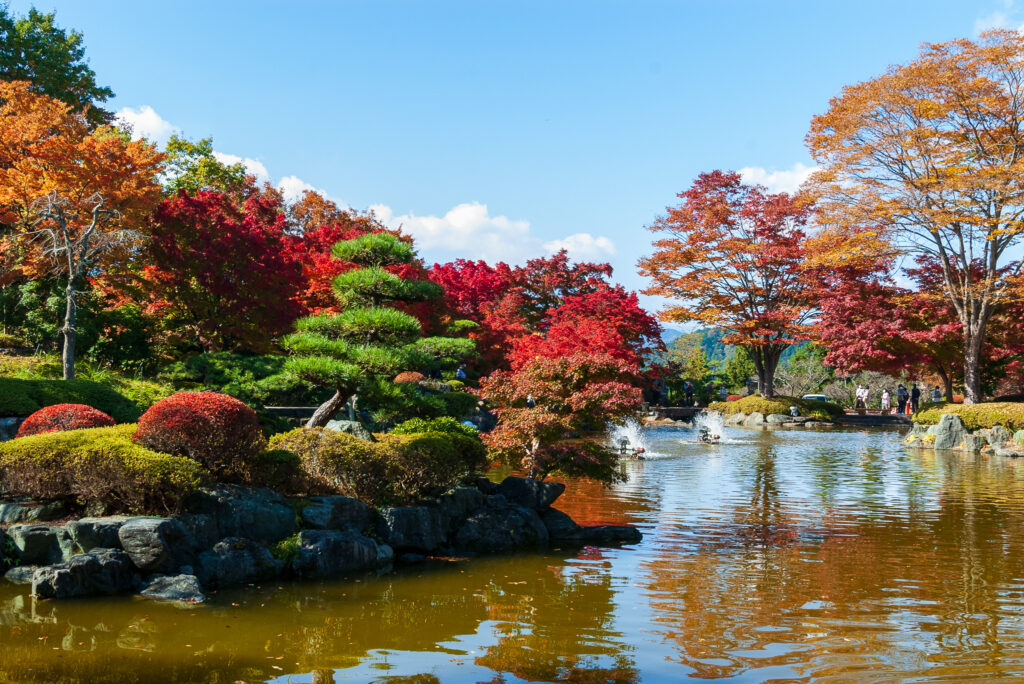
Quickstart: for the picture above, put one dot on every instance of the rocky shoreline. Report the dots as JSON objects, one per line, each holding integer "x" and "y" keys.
{"x": 229, "y": 535}
{"x": 950, "y": 434}
{"x": 753, "y": 420}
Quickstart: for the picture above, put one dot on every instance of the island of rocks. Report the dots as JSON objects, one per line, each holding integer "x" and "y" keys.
{"x": 230, "y": 535}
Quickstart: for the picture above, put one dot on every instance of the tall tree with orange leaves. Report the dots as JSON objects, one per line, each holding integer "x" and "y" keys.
{"x": 72, "y": 192}
{"x": 731, "y": 259}
{"x": 933, "y": 151}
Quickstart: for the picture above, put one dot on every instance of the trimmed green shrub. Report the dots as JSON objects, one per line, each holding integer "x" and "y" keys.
{"x": 214, "y": 429}
{"x": 443, "y": 424}
{"x": 98, "y": 465}
{"x": 976, "y": 416}
{"x": 24, "y": 397}
{"x": 337, "y": 462}
{"x": 399, "y": 469}
{"x": 458, "y": 404}
{"x": 275, "y": 468}
{"x": 822, "y": 410}
{"x": 255, "y": 380}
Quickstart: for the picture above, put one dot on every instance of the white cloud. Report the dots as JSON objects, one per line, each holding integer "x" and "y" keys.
{"x": 469, "y": 231}
{"x": 1005, "y": 18}
{"x": 253, "y": 166}
{"x": 778, "y": 181}
{"x": 583, "y": 246}
{"x": 146, "y": 123}
{"x": 292, "y": 188}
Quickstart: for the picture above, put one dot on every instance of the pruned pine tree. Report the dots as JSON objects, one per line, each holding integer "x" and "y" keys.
{"x": 370, "y": 339}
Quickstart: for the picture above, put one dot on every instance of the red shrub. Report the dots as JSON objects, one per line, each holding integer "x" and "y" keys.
{"x": 409, "y": 377}
{"x": 958, "y": 398}
{"x": 60, "y": 417}
{"x": 214, "y": 429}
{"x": 733, "y": 397}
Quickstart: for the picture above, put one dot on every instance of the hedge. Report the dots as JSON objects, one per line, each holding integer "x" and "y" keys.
{"x": 976, "y": 416}
{"x": 442, "y": 424}
{"x": 396, "y": 470}
{"x": 98, "y": 465}
{"x": 822, "y": 410}
{"x": 25, "y": 397}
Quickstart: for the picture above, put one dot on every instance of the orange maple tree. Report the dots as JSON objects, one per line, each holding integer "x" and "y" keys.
{"x": 70, "y": 193}
{"x": 933, "y": 151}
{"x": 731, "y": 259}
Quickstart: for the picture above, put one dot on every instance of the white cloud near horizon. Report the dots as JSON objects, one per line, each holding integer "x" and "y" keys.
{"x": 778, "y": 181}
{"x": 469, "y": 231}
{"x": 144, "y": 122}
{"x": 253, "y": 166}
{"x": 1005, "y": 18}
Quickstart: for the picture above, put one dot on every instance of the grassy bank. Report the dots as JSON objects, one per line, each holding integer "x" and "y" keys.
{"x": 822, "y": 410}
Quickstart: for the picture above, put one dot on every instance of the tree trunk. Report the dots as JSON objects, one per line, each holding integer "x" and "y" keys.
{"x": 328, "y": 410}
{"x": 947, "y": 383}
{"x": 974, "y": 339}
{"x": 69, "y": 332}
{"x": 766, "y": 361}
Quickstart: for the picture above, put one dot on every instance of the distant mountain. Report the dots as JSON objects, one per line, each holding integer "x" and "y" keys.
{"x": 669, "y": 335}
{"x": 713, "y": 347}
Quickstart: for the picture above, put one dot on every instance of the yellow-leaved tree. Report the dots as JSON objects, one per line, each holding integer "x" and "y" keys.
{"x": 931, "y": 155}
{"x": 69, "y": 194}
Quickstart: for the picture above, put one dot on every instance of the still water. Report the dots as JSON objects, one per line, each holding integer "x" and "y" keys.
{"x": 781, "y": 556}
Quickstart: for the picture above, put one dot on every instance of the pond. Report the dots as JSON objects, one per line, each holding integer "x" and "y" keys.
{"x": 787, "y": 555}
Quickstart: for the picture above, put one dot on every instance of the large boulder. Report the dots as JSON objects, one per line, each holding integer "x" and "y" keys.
{"x": 734, "y": 419}
{"x": 949, "y": 432}
{"x": 997, "y": 434}
{"x": 457, "y": 503}
{"x": 40, "y": 544}
{"x": 96, "y": 533}
{"x": 100, "y": 572}
{"x": 181, "y": 588}
{"x": 754, "y": 420}
{"x": 324, "y": 553}
{"x": 419, "y": 529}
{"x": 155, "y": 544}
{"x": 974, "y": 443}
{"x": 561, "y": 528}
{"x": 1018, "y": 437}
{"x": 530, "y": 493}
{"x": 236, "y": 561}
{"x": 201, "y": 529}
{"x": 351, "y": 427}
{"x": 22, "y": 574}
{"x": 23, "y": 510}
{"x": 336, "y": 513}
{"x": 501, "y": 529}
{"x": 778, "y": 419}
{"x": 251, "y": 512}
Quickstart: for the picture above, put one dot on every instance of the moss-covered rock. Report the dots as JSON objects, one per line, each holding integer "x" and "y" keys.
{"x": 976, "y": 416}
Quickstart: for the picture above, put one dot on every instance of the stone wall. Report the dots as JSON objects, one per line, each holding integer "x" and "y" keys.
{"x": 230, "y": 535}
{"x": 950, "y": 434}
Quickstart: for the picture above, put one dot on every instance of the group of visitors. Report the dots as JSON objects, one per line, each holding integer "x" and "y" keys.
{"x": 907, "y": 401}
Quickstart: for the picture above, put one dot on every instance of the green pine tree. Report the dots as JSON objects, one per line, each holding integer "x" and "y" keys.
{"x": 369, "y": 340}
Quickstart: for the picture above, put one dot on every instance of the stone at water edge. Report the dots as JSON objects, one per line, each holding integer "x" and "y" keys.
{"x": 530, "y": 493}
{"x": 40, "y": 544}
{"x": 754, "y": 420}
{"x": 96, "y": 533}
{"x": 501, "y": 529}
{"x": 734, "y": 419}
{"x": 182, "y": 588}
{"x": 336, "y": 512}
{"x": 235, "y": 561}
{"x": 22, "y": 574}
{"x": 325, "y": 553}
{"x": 251, "y": 512}
{"x": 779, "y": 419}
{"x": 974, "y": 443}
{"x": 1018, "y": 437}
{"x": 155, "y": 544}
{"x": 412, "y": 528}
{"x": 100, "y": 572}
{"x": 949, "y": 433}
{"x": 997, "y": 434}
{"x": 27, "y": 511}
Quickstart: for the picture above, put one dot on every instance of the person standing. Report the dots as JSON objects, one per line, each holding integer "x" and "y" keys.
{"x": 901, "y": 399}
{"x": 688, "y": 389}
{"x": 886, "y": 402}
{"x": 936, "y": 394}
{"x": 915, "y": 398}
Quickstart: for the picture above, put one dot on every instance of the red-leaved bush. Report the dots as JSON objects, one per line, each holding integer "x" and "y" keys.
{"x": 60, "y": 417}
{"x": 409, "y": 377}
{"x": 733, "y": 397}
{"x": 214, "y": 429}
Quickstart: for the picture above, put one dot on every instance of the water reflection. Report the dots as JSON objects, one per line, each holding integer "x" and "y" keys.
{"x": 785, "y": 556}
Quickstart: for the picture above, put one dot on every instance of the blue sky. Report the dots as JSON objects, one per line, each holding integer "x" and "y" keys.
{"x": 505, "y": 130}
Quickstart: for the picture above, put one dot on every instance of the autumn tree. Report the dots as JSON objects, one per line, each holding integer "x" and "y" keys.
{"x": 370, "y": 338}
{"x": 933, "y": 151}
{"x": 219, "y": 274}
{"x": 73, "y": 193}
{"x": 731, "y": 258}
{"x": 192, "y": 166}
{"x": 34, "y": 49}
{"x": 573, "y": 399}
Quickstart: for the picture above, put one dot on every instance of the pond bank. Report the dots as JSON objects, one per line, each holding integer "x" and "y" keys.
{"x": 230, "y": 535}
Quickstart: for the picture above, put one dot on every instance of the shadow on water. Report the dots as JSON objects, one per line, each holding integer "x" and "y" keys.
{"x": 776, "y": 556}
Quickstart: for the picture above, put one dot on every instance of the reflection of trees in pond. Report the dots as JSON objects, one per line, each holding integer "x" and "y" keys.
{"x": 859, "y": 590}
{"x": 558, "y": 627}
